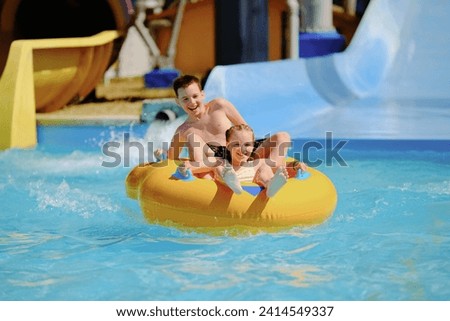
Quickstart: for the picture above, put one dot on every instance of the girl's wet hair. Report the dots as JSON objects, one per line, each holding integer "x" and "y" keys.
{"x": 238, "y": 127}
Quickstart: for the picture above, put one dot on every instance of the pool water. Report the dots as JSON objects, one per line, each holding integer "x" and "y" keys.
{"x": 68, "y": 232}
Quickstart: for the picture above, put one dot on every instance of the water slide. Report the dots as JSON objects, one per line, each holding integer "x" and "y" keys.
{"x": 40, "y": 19}
{"x": 57, "y": 52}
{"x": 392, "y": 82}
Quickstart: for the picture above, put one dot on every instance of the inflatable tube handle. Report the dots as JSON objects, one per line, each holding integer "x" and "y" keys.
{"x": 302, "y": 175}
{"x": 162, "y": 157}
{"x": 187, "y": 178}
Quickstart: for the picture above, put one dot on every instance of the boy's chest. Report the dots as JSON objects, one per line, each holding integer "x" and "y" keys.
{"x": 212, "y": 125}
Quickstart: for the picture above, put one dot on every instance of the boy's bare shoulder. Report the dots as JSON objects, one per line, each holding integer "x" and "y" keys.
{"x": 218, "y": 103}
{"x": 183, "y": 129}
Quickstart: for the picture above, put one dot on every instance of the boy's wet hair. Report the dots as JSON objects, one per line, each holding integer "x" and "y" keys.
{"x": 184, "y": 81}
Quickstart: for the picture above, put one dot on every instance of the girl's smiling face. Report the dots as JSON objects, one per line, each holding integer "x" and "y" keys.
{"x": 240, "y": 145}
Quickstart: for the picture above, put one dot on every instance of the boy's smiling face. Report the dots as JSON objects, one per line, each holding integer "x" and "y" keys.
{"x": 191, "y": 100}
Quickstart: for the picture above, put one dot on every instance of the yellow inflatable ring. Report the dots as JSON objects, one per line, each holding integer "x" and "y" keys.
{"x": 206, "y": 204}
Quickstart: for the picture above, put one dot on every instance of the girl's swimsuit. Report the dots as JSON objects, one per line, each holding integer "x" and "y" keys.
{"x": 246, "y": 173}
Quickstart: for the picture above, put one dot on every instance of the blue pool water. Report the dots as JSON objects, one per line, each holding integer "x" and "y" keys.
{"x": 68, "y": 231}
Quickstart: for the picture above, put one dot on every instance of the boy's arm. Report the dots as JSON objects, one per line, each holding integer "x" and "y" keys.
{"x": 199, "y": 152}
{"x": 231, "y": 112}
{"x": 175, "y": 147}
{"x": 294, "y": 167}
{"x": 199, "y": 167}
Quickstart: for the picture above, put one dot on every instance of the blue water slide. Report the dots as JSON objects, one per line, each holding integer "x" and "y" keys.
{"x": 392, "y": 82}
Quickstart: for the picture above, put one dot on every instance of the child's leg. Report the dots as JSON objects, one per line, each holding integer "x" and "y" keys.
{"x": 277, "y": 182}
{"x": 272, "y": 182}
{"x": 263, "y": 175}
{"x": 230, "y": 178}
{"x": 274, "y": 149}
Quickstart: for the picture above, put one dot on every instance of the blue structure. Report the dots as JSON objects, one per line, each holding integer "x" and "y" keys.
{"x": 392, "y": 81}
{"x": 320, "y": 43}
{"x": 160, "y": 78}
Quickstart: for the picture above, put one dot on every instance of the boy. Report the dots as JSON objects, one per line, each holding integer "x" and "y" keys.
{"x": 203, "y": 132}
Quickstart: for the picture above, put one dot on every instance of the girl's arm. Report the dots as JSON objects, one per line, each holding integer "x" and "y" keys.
{"x": 199, "y": 168}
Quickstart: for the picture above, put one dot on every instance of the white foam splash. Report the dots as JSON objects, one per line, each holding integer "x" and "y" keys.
{"x": 69, "y": 199}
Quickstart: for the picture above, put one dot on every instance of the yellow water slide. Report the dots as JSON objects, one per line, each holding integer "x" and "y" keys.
{"x": 46, "y": 68}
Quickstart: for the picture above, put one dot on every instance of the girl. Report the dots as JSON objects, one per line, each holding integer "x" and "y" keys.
{"x": 239, "y": 165}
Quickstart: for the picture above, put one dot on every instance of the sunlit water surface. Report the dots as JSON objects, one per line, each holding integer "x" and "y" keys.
{"x": 68, "y": 232}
